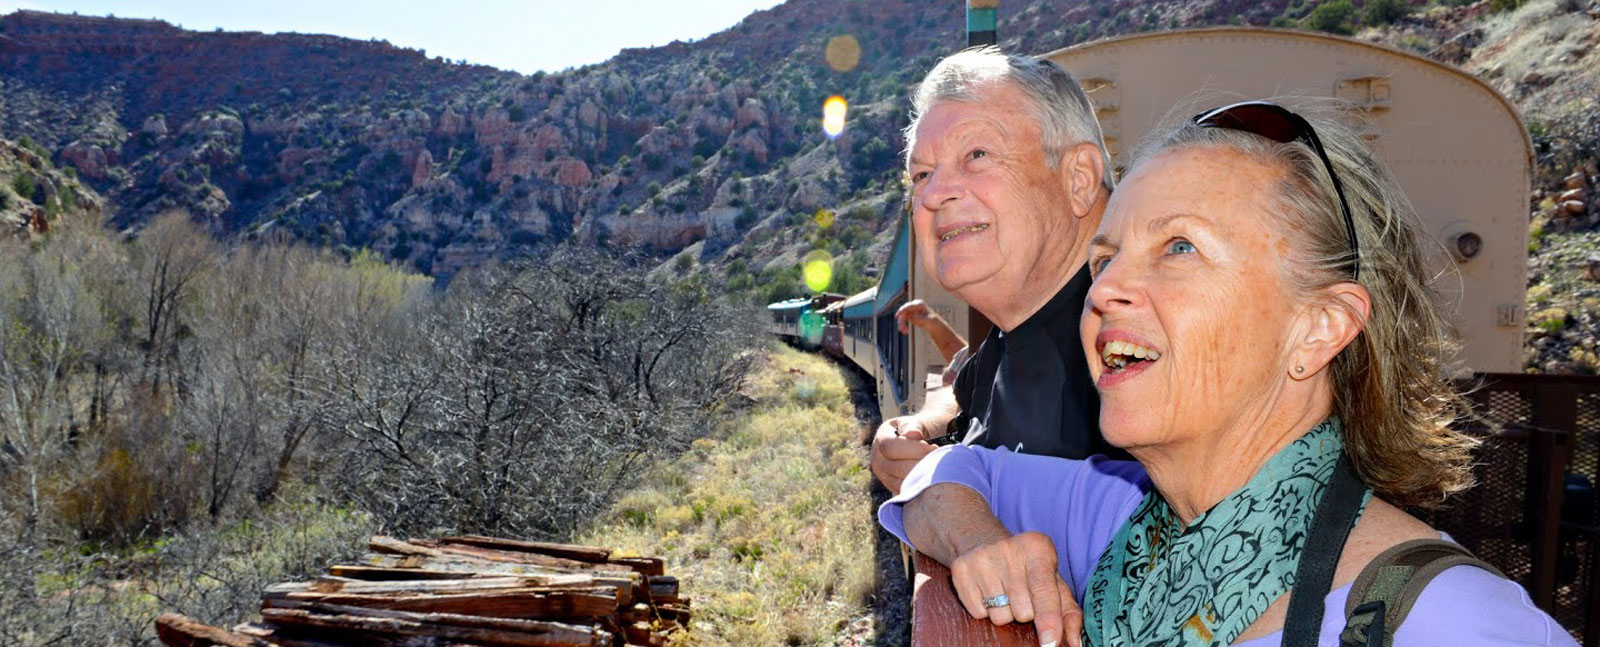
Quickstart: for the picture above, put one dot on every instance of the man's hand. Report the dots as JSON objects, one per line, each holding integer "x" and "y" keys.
{"x": 1022, "y": 568}
{"x": 898, "y": 445}
{"x": 914, "y": 313}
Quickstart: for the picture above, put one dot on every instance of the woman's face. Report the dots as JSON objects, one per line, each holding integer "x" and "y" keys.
{"x": 1187, "y": 324}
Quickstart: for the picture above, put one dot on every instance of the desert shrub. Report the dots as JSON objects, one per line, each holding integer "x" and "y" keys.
{"x": 1550, "y": 320}
{"x": 124, "y": 496}
{"x": 1384, "y": 12}
{"x": 25, "y": 186}
{"x": 745, "y": 220}
{"x": 1333, "y": 17}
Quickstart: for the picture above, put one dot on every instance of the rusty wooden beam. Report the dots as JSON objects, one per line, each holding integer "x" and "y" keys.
{"x": 175, "y": 630}
{"x": 566, "y": 551}
{"x": 324, "y": 618}
{"x": 529, "y": 604}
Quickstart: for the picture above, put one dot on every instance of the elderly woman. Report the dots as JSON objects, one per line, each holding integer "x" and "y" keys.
{"x": 1265, "y": 345}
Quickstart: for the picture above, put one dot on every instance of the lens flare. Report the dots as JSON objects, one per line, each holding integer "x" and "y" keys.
{"x": 823, "y": 218}
{"x": 833, "y": 111}
{"x": 811, "y": 325}
{"x": 817, "y": 270}
{"x": 843, "y": 53}
{"x": 805, "y": 388}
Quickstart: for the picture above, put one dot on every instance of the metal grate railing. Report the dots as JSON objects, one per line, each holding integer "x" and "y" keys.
{"x": 1492, "y": 519}
{"x": 1534, "y": 512}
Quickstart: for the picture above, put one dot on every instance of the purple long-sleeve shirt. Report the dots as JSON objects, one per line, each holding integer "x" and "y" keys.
{"x": 1080, "y": 505}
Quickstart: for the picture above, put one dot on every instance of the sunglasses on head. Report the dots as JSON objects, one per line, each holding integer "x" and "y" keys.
{"x": 1278, "y": 124}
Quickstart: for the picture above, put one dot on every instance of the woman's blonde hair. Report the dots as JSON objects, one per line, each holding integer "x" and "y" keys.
{"x": 1391, "y": 384}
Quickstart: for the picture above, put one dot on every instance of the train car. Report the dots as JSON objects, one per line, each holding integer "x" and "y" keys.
{"x": 894, "y": 350}
{"x": 786, "y": 318}
{"x": 857, "y": 317}
{"x": 833, "y": 329}
{"x": 800, "y": 321}
{"x": 1458, "y": 148}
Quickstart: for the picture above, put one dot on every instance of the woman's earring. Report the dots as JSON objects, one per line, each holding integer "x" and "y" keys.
{"x": 1299, "y": 369}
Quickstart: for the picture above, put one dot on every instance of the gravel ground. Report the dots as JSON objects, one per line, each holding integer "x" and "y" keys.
{"x": 889, "y": 625}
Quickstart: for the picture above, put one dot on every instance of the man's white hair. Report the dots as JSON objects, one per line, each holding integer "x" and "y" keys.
{"x": 1063, "y": 112}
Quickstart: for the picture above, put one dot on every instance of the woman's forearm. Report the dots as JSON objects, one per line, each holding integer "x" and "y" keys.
{"x": 947, "y": 520}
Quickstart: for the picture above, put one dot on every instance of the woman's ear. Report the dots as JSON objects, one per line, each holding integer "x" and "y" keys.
{"x": 1081, "y": 169}
{"x": 1333, "y": 322}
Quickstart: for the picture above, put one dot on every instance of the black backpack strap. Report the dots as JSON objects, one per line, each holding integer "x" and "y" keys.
{"x": 1383, "y": 594}
{"x": 1330, "y": 526}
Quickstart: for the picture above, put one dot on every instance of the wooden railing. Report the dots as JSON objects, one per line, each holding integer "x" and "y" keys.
{"x": 939, "y": 620}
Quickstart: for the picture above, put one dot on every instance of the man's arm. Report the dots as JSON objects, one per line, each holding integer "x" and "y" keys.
{"x": 939, "y": 407}
{"x": 945, "y": 338}
{"x": 901, "y": 442}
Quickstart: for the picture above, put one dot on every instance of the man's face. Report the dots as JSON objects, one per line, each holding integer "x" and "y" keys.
{"x": 986, "y": 208}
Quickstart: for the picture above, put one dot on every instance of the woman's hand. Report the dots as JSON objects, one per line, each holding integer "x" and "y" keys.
{"x": 1022, "y": 568}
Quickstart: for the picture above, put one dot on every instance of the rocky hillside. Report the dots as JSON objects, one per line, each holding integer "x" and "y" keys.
{"x": 363, "y": 144}
{"x": 1545, "y": 56}
{"x": 35, "y": 194}
{"x": 709, "y": 152}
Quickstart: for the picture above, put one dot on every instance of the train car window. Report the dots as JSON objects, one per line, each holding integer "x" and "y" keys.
{"x": 894, "y": 349}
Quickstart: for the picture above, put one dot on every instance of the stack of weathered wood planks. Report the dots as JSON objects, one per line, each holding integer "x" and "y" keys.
{"x": 460, "y": 591}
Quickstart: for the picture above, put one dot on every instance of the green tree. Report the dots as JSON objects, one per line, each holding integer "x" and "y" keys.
{"x": 1384, "y": 12}
{"x": 745, "y": 220}
{"x": 25, "y": 187}
{"x": 1333, "y": 17}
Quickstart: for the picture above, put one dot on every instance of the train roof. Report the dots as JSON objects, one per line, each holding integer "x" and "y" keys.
{"x": 790, "y": 303}
{"x": 864, "y": 296}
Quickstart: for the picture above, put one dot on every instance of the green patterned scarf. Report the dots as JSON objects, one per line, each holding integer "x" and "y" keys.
{"x": 1203, "y": 585}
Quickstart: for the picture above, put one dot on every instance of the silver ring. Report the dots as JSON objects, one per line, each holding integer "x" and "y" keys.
{"x": 996, "y": 601}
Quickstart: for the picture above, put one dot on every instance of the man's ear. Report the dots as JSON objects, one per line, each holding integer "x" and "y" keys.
{"x": 1330, "y": 324}
{"x": 1081, "y": 169}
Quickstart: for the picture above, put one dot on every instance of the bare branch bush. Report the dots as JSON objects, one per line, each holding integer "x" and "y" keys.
{"x": 182, "y": 422}
{"x": 531, "y": 394}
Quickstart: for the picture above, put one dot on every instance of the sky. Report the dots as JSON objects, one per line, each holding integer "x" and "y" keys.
{"x": 526, "y": 36}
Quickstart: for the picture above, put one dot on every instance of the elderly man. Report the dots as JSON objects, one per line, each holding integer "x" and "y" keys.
{"x": 1009, "y": 177}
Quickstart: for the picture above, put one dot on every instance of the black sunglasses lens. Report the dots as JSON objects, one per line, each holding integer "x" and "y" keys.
{"x": 1277, "y": 123}
{"x": 1267, "y": 121}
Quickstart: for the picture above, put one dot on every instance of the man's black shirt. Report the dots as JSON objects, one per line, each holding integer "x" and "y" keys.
{"x": 1029, "y": 390}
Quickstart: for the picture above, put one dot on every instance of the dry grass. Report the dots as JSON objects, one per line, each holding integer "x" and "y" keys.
{"x": 767, "y": 520}
{"x": 215, "y": 575}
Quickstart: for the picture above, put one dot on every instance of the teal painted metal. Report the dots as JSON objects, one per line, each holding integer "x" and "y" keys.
{"x": 979, "y": 20}
{"x": 897, "y": 271}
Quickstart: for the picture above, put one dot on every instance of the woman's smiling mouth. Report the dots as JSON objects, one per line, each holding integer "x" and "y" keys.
{"x": 1122, "y": 358}
{"x": 1117, "y": 355}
